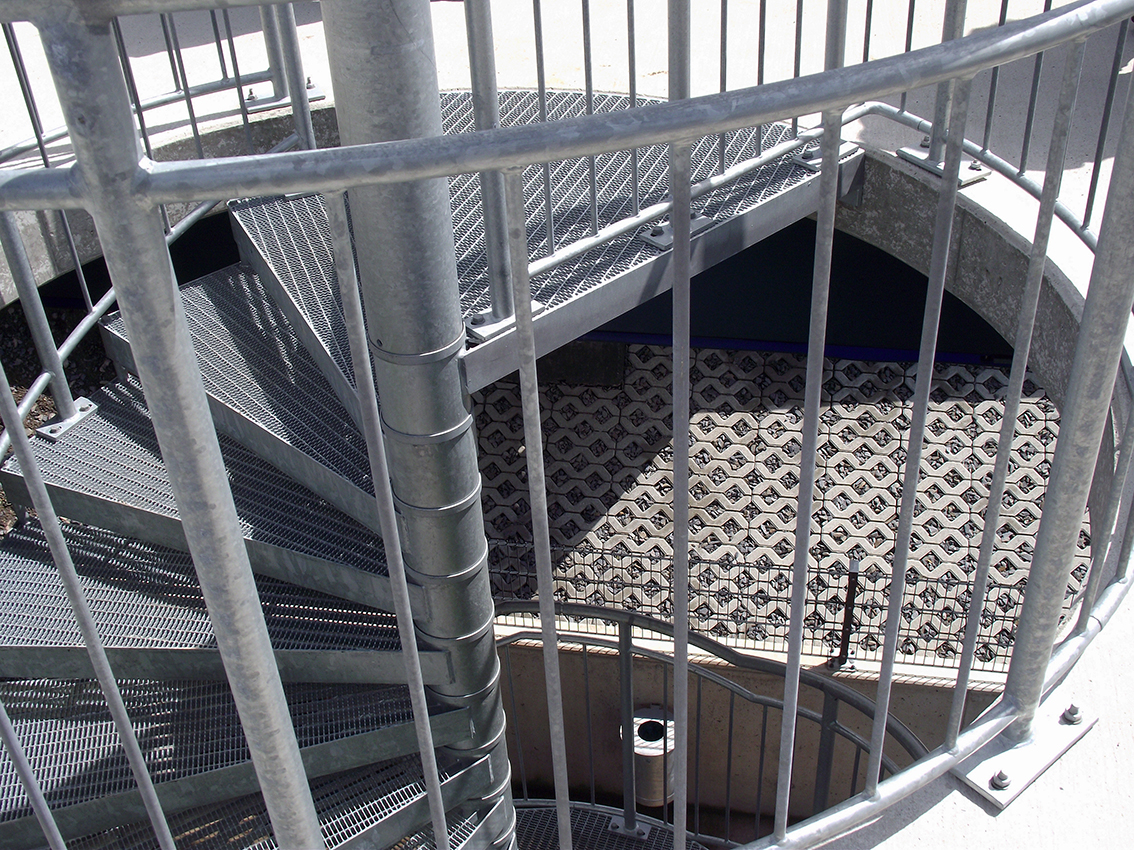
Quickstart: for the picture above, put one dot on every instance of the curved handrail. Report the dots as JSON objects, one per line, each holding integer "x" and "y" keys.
{"x": 901, "y": 733}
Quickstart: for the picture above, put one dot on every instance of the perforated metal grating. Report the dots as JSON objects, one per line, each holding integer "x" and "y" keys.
{"x": 293, "y": 237}
{"x": 537, "y": 829}
{"x": 252, "y": 363}
{"x": 608, "y": 460}
{"x": 113, "y": 455}
{"x": 146, "y": 596}
{"x": 347, "y": 803}
{"x": 183, "y": 728}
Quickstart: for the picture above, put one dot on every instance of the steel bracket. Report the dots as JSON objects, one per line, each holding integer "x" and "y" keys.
{"x": 55, "y": 428}
{"x": 971, "y": 170}
{"x": 1000, "y": 771}
{"x": 660, "y": 235}
{"x": 618, "y": 825}
{"x": 481, "y": 326}
{"x": 257, "y": 103}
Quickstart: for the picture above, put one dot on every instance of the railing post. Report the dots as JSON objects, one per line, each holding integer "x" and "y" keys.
{"x": 486, "y": 115}
{"x": 83, "y": 59}
{"x": 24, "y": 278}
{"x": 273, "y": 46}
{"x": 1084, "y": 415}
{"x": 296, "y": 80}
{"x": 825, "y": 759}
{"x": 951, "y": 28}
{"x": 626, "y": 699}
{"x": 385, "y": 80}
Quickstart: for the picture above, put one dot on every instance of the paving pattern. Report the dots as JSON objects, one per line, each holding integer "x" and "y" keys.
{"x": 608, "y": 460}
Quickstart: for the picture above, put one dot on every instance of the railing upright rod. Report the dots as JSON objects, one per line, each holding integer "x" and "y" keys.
{"x": 296, "y": 79}
{"x": 589, "y": 95}
{"x": 910, "y": 12}
{"x": 1020, "y": 352}
{"x": 37, "y": 130}
{"x": 486, "y": 116}
{"x": 83, "y": 61}
{"x": 273, "y": 46}
{"x": 24, "y": 278}
{"x": 219, "y": 43}
{"x": 537, "y": 487}
{"x": 942, "y": 233}
{"x": 347, "y": 276}
{"x": 952, "y": 28}
{"x": 680, "y": 177}
{"x": 816, "y": 347}
{"x": 183, "y": 78}
{"x": 30, "y": 782}
{"x": 1103, "y": 538}
{"x": 626, "y": 710}
{"x": 239, "y": 80}
{"x": 84, "y": 619}
{"x": 632, "y": 73}
{"x": 993, "y": 85}
{"x": 1033, "y": 99}
{"x": 722, "y": 138}
{"x": 1084, "y": 414}
{"x": 541, "y": 86}
{"x": 1104, "y": 126}
{"x": 798, "y": 57}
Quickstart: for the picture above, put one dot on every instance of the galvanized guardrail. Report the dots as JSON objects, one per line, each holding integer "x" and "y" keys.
{"x": 120, "y": 188}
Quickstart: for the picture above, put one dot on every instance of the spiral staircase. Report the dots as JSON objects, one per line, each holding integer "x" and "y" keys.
{"x": 275, "y": 360}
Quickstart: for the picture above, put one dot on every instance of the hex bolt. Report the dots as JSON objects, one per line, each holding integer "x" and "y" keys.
{"x": 925, "y": 142}
{"x": 1072, "y": 715}
{"x": 1000, "y": 781}
{"x": 310, "y": 84}
{"x": 657, "y": 230}
{"x": 251, "y": 95}
{"x": 477, "y": 319}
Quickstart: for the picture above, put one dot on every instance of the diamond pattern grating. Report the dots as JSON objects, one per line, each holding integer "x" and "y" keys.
{"x": 146, "y": 596}
{"x": 608, "y": 455}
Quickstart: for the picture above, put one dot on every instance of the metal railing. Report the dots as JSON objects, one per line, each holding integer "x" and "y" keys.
{"x": 121, "y": 190}
{"x": 730, "y": 774}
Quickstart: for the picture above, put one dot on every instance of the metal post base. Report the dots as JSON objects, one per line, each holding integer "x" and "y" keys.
{"x": 255, "y": 101}
{"x": 971, "y": 170}
{"x": 661, "y": 235}
{"x": 618, "y": 825}
{"x": 481, "y": 326}
{"x": 1000, "y": 772}
{"x": 55, "y": 428}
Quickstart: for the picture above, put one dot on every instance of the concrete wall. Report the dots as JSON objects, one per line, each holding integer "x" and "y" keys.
{"x": 591, "y": 696}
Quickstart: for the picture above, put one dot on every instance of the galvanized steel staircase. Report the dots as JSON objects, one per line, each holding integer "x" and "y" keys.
{"x": 271, "y": 343}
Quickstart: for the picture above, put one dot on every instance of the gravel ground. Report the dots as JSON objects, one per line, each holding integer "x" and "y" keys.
{"x": 87, "y": 369}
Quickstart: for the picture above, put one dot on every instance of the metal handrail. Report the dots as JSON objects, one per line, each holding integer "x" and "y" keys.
{"x": 116, "y": 186}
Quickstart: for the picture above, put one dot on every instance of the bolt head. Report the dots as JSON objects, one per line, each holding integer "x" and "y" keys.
{"x": 1000, "y": 781}
{"x": 477, "y": 320}
{"x": 1072, "y": 715}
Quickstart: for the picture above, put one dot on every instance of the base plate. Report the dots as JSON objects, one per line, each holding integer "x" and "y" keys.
{"x": 971, "y": 170}
{"x": 1000, "y": 772}
{"x": 618, "y": 825}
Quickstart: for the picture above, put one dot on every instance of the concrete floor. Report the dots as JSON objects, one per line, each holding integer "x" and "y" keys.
{"x": 1080, "y": 801}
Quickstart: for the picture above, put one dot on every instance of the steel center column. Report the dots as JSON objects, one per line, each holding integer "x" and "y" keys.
{"x": 385, "y": 83}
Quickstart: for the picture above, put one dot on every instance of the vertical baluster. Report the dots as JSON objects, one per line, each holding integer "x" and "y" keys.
{"x": 541, "y": 533}
{"x": 1020, "y": 352}
{"x": 816, "y": 347}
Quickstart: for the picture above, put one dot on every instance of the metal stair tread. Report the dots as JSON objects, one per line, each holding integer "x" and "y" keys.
{"x": 146, "y": 596}
{"x": 293, "y": 239}
{"x": 113, "y": 456}
{"x": 169, "y": 719}
{"x": 252, "y": 363}
{"x": 348, "y": 804}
